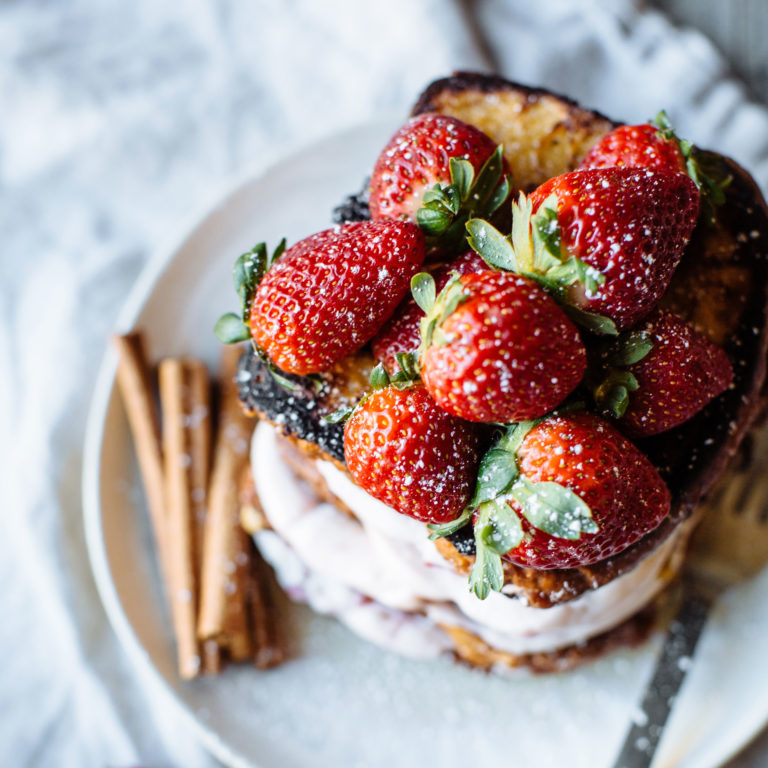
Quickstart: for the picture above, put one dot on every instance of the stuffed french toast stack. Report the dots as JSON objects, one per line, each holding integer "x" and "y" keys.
{"x": 493, "y": 395}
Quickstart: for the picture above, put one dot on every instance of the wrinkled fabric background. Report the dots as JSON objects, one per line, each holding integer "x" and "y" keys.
{"x": 119, "y": 118}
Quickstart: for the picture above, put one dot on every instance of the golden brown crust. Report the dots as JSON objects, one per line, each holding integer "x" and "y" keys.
{"x": 474, "y": 651}
{"x": 543, "y": 134}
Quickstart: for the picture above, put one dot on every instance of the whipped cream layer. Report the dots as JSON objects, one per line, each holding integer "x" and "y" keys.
{"x": 382, "y": 576}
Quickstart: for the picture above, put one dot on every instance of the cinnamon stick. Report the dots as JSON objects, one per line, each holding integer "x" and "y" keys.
{"x": 184, "y": 397}
{"x": 236, "y": 622}
{"x": 137, "y": 390}
{"x": 198, "y": 439}
{"x": 222, "y": 597}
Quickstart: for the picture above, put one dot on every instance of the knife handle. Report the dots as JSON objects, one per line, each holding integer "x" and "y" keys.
{"x": 679, "y": 645}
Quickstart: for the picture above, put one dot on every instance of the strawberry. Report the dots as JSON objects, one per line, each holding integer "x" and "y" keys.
{"x": 562, "y": 492}
{"x": 327, "y": 295}
{"x": 637, "y": 146}
{"x": 450, "y": 168}
{"x": 656, "y": 146}
{"x": 402, "y": 332}
{"x": 660, "y": 374}
{"x": 498, "y": 349}
{"x": 407, "y": 452}
{"x": 627, "y": 226}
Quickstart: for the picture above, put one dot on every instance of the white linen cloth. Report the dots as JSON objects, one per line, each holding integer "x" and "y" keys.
{"x": 116, "y": 119}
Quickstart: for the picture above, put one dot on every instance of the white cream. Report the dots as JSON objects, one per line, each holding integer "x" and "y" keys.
{"x": 334, "y": 562}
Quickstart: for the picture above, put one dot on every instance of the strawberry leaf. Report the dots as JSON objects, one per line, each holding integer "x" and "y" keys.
{"x": 479, "y": 195}
{"x": 515, "y": 434}
{"x": 499, "y": 196}
{"x": 444, "y": 305}
{"x": 547, "y": 227}
{"x": 339, "y": 415}
{"x": 494, "y": 248}
{"x": 707, "y": 173}
{"x": 612, "y": 396}
{"x": 445, "y": 210}
{"x": 703, "y": 168}
{"x": 440, "y": 530}
{"x": 249, "y": 270}
{"x": 424, "y": 291}
{"x": 487, "y": 573}
{"x": 379, "y": 377}
{"x": 230, "y": 329}
{"x": 574, "y": 270}
{"x": 595, "y": 323}
{"x": 630, "y": 348}
{"x": 663, "y": 125}
{"x": 553, "y": 508}
{"x": 434, "y": 221}
{"x": 408, "y": 371}
{"x": 503, "y": 530}
{"x": 495, "y": 474}
{"x": 462, "y": 176}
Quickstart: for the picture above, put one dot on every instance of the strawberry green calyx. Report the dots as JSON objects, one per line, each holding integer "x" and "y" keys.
{"x": 495, "y": 528}
{"x": 248, "y": 272}
{"x": 612, "y": 393}
{"x": 547, "y": 506}
{"x": 710, "y": 180}
{"x": 534, "y": 250}
{"x": 446, "y": 209}
{"x": 437, "y": 306}
{"x": 233, "y": 328}
{"x": 406, "y": 377}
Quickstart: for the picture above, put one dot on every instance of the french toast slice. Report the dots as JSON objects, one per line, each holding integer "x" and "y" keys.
{"x": 721, "y": 287}
{"x": 543, "y": 134}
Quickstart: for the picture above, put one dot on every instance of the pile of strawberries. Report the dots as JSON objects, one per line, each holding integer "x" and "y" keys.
{"x": 516, "y": 361}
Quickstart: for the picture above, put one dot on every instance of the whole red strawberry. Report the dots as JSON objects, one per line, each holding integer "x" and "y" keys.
{"x": 629, "y": 227}
{"x": 578, "y": 459}
{"x": 506, "y": 353}
{"x": 660, "y": 374}
{"x": 417, "y": 157}
{"x": 402, "y": 332}
{"x": 407, "y": 452}
{"x": 330, "y": 293}
{"x": 637, "y": 146}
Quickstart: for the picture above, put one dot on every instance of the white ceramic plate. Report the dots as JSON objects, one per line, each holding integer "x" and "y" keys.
{"x": 340, "y": 701}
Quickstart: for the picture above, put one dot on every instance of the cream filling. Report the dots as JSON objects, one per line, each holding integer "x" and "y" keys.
{"x": 338, "y": 565}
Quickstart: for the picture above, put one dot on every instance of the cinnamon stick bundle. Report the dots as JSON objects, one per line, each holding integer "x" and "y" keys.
{"x": 218, "y": 587}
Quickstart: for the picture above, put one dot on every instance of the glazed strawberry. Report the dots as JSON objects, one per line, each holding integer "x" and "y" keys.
{"x": 629, "y": 227}
{"x": 402, "y": 332}
{"x": 499, "y": 349}
{"x": 562, "y": 492}
{"x": 637, "y": 146}
{"x": 439, "y": 171}
{"x": 417, "y": 157}
{"x": 407, "y": 452}
{"x": 624, "y": 492}
{"x": 330, "y": 293}
{"x": 660, "y": 374}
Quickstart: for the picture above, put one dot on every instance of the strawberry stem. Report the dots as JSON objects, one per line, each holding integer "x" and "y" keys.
{"x": 446, "y": 209}
{"x": 704, "y": 173}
